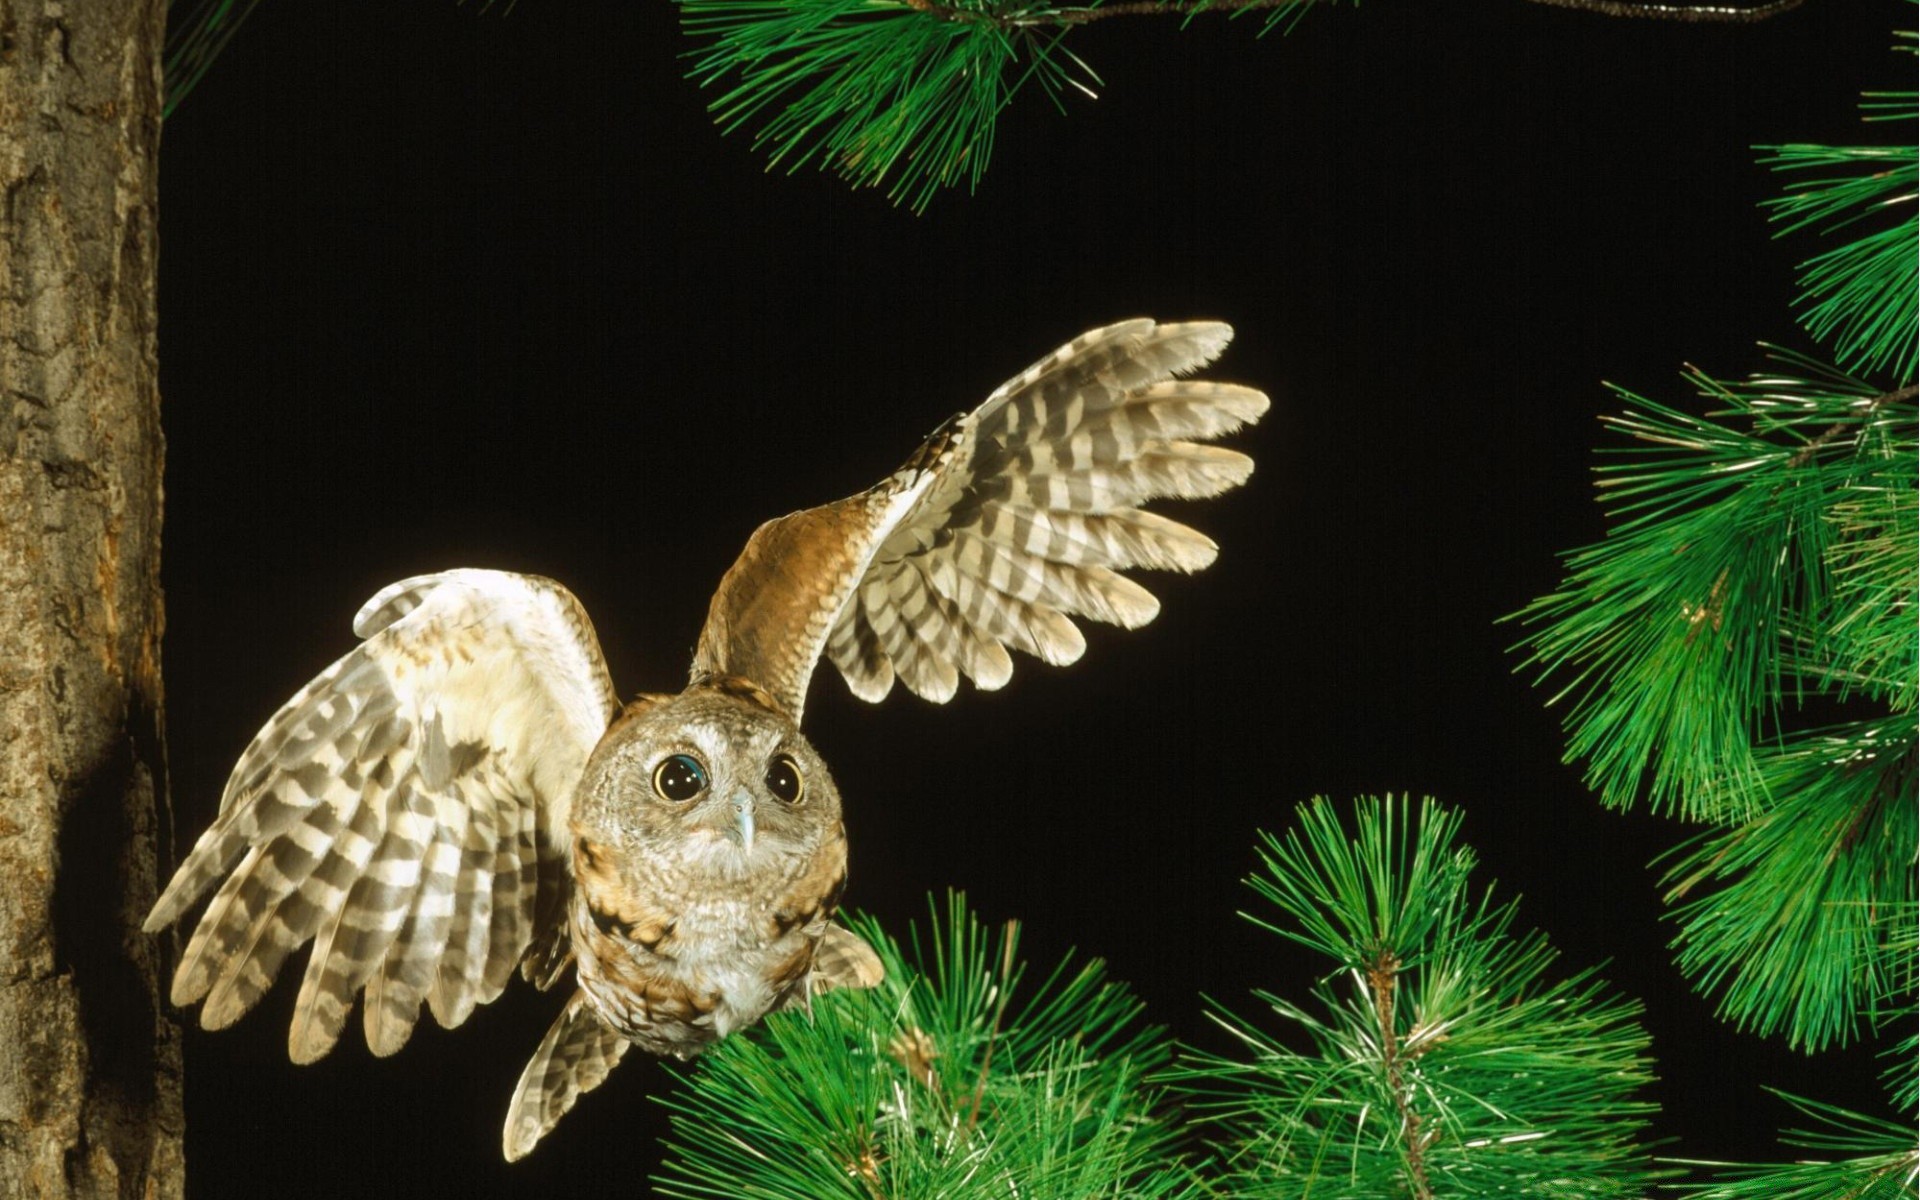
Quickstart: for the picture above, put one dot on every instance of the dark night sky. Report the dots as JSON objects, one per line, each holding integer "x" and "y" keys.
{"x": 443, "y": 287}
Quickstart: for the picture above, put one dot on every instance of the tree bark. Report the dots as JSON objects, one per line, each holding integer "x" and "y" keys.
{"x": 89, "y": 1058}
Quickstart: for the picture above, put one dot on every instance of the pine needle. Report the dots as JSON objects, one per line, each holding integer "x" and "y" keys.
{"x": 902, "y": 95}
{"x": 1796, "y": 938}
{"x": 953, "y": 1078}
{"x": 1862, "y": 296}
{"x": 1862, "y": 1158}
{"x": 1680, "y": 637}
{"x": 877, "y": 90}
{"x": 1448, "y": 1056}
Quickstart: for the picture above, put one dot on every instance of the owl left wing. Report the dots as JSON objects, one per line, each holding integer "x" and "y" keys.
{"x": 1008, "y": 521}
{"x": 405, "y": 812}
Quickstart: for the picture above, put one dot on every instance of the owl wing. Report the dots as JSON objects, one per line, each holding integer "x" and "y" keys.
{"x": 578, "y": 1053}
{"x": 406, "y": 812}
{"x": 1008, "y": 521}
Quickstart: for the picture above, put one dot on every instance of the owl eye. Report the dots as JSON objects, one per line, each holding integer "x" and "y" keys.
{"x": 784, "y": 779}
{"x": 679, "y": 777}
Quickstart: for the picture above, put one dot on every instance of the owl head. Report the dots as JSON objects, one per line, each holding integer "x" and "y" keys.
{"x": 716, "y": 780}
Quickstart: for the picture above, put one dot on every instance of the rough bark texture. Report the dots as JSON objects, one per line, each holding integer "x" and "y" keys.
{"x": 89, "y": 1059}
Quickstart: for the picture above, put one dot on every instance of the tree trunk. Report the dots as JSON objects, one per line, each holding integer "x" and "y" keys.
{"x": 89, "y": 1059}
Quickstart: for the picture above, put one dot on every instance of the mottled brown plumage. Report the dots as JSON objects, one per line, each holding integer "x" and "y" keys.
{"x": 461, "y": 794}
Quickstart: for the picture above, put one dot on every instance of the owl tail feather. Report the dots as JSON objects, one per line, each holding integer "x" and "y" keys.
{"x": 574, "y": 1057}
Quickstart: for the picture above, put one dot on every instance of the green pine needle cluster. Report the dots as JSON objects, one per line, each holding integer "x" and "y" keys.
{"x": 899, "y": 94}
{"x": 1896, "y": 1009}
{"x": 1735, "y": 549}
{"x": 954, "y": 1078}
{"x": 1850, "y": 1157}
{"x": 1858, "y": 296}
{"x": 1814, "y": 894}
{"x": 1742, "y": 651}
{"x": 1446, "y": 1057}
{"x": 882, "y": 91}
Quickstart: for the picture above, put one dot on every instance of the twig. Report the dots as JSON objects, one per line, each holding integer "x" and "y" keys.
{"x": 1687, "y": 13}
{"x": 993, "y": 1032}
{"x": 1086, "y": 16}
{"x": 1381, "y": 977}
{"x": 1691, "y": 14}
{"x": 1139, "y": 8}
{"x": 1806, "y": 453}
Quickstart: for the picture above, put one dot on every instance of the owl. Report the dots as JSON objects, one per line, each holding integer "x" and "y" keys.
{"x": 463, "y": 795}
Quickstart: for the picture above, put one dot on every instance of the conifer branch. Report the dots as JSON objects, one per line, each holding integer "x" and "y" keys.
{"x": 956, "y": 1078}
{"x": 1380, "y": 980}
{"x": 900, "y": 94}
{"x": 1685, "y": 13}
{"x": 1063, "y": 17}
{"x": 1009, "y": 939}
{"x": 1761, "y": 558}
{"x": 1812, "y": 893}
{"x": 1455, "y": 1065}
{"x": 1693, "y": 14}
{"x": 1840, "y": 428}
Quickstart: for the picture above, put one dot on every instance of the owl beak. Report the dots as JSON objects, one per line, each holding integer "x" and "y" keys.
{"x": 742, "y": 830}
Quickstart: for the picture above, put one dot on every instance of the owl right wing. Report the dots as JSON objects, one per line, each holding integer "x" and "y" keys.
{"x": 406, "y": 812}
{"x": 1008, "y": 521}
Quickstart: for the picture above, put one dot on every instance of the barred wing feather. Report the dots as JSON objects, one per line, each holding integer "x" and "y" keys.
{"x": 405, "y": 812}
{"x": 1008, "y": 522}
{"x": 576, "y": 1056}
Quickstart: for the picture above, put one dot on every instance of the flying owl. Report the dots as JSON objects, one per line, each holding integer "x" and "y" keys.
{"x": 463, "y": 794}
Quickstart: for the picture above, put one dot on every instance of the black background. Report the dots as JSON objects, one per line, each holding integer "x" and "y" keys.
{"x": 450, "y": 287}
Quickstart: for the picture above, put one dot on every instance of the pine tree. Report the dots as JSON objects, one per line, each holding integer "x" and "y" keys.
{"x": 1741, "y": 651}
{"x": 903, "y": 94}
{"x": 1448, "y": 1057}
{"x": 954, "y": 1078}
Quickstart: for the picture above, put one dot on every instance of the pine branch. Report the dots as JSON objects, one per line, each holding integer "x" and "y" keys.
{"x": 904, "y": 94}
{"x": 1761, "y": 560}
{"x": 1693, "y": 14}
{"x": 952, "y": 1079}
{"x": 1684, "y": 632}
{"x": 1864, "y": 294}
{"x": 1838, "y": 429}
{"x": 1382, "y": 976}
{"x": 1861, "y": 295}
{"x": 1812, "y": 892}
{"x": 1065, "y": 17}
{"x": 1870, "y": 1159}
{"x": 900, "y": 94}
{"x": 1446, "y": 1060}
{"x": 1743, "y": 575}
